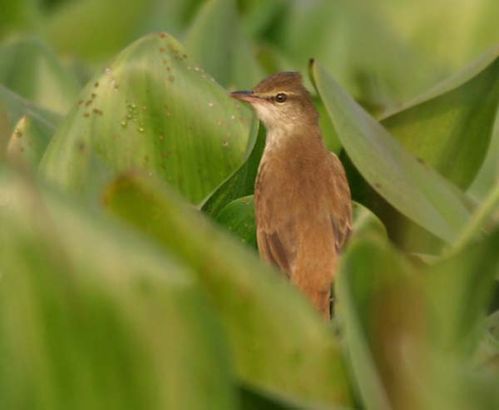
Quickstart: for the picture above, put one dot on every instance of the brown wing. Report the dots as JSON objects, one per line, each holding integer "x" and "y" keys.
{"x": 272, "y": 250}
{"x": 275, "y": 244}
{"x": 341, "y": 204}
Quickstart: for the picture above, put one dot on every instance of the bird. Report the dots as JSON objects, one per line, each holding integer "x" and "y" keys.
{"x": 303, "y": 207}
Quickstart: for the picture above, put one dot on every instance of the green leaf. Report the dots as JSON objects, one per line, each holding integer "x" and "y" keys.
{"x": 28, "y": 142}
{"x": 152, "y": 110}
{"x": 452, "y": 123}
{"x": 93, "y": 316}
{"x": 488, "y": 175}
{"x": 414, "y": 189}
{"x": 278, "y": 341}
{"x": 241, "y": 182}
{"x": 29, "y": 68}
{"x": 230, "y": 62}
{"x": 239, "y": 218}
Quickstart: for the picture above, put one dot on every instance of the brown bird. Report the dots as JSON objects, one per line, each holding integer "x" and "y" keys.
{"x": 302, "y": 198}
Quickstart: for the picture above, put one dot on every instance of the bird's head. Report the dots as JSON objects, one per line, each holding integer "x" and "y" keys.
{"x": 281, "y": 101}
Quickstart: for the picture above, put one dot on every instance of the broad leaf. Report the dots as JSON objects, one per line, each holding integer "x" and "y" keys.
{"x": 239, "y": 218}
{"x": 279, "y": 343}
{"x": 414, "y": 189}
{"x": 152, "y": 110}
{"x": 242, "y": 182}
{"x": 450, "y": 126}
{"x": 92, "y": 316}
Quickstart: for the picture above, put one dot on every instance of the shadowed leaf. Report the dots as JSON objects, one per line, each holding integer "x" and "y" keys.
{"x": 239, "y": 218}
{"x": 241, "y": 182}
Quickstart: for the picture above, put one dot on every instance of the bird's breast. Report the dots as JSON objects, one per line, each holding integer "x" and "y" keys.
{"x": 290, "y": 182}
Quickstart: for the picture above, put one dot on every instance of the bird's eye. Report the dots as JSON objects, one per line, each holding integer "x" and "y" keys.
{"x": 281, "y": 97}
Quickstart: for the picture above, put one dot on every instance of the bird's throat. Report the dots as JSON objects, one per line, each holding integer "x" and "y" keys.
{"x": 290, "y": 138}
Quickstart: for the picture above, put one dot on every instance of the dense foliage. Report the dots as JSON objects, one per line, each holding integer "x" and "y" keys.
{"x": 129, "y": 276}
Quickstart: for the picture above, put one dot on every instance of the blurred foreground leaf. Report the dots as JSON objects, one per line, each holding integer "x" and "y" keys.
{"x": 151, "y": 110}
{"x": 278, "y": 341}
{"x": 92, "y": 317}
{"x": 368, "y": 287}
{"x": 411, "y": 332}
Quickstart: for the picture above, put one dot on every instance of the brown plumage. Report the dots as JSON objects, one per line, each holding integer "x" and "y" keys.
{"x": 302, "y": 198}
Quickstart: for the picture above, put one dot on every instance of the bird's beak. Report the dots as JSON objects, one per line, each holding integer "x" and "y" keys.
{"x": 247, "y": 96}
